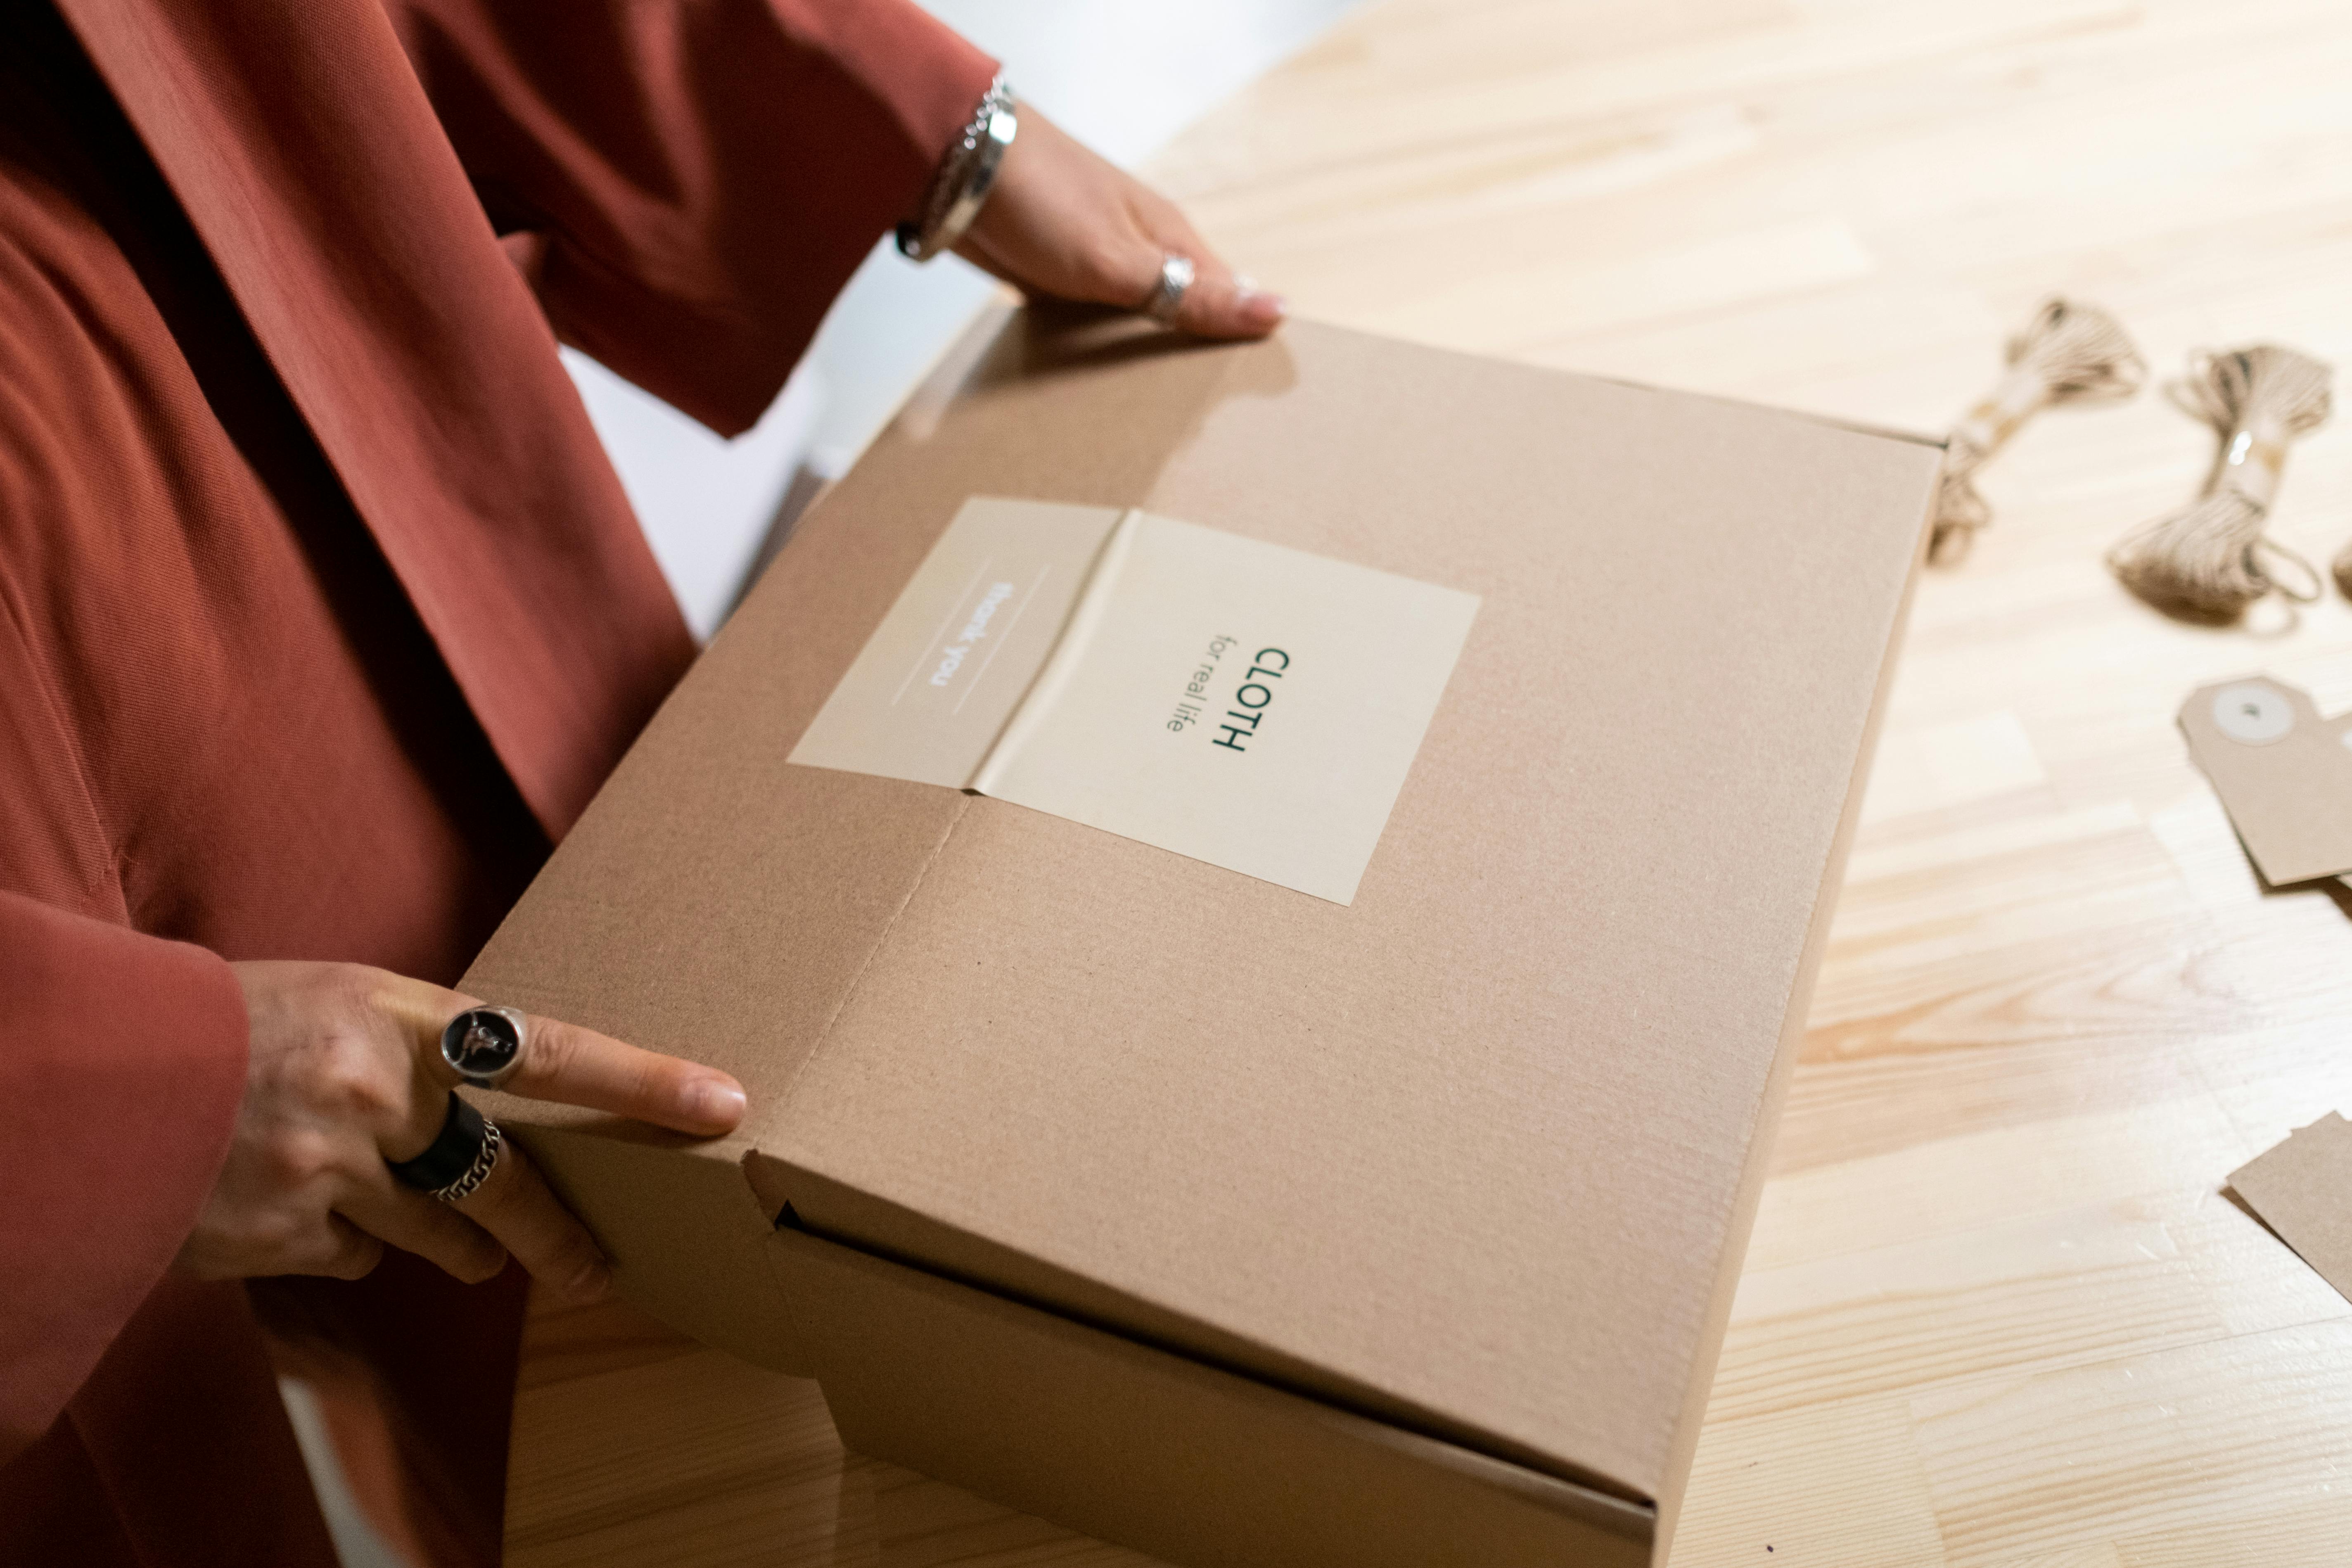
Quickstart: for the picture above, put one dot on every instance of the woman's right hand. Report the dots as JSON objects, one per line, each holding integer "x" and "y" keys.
{"x": 345, "y": 1073}
{"x": 1065, "y": 223}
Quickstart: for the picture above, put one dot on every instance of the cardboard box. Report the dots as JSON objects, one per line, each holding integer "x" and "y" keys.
{"x": 1236, "y": 1225}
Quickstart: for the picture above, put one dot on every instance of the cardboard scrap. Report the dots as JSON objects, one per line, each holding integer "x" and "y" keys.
{"x": 2302, "y": 1190}
{"x": 2284, "y": 775}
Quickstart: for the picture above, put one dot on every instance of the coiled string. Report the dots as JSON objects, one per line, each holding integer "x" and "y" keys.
{"x": 2211, "y": 561}
{"x": 2068, "y": 353}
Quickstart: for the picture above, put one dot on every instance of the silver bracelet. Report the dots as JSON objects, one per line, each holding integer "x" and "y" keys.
{"x": 964, "y": 179}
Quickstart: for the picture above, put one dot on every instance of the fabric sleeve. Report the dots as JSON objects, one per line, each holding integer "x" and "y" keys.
{"x": 121, "y": 1069}
{"x": 687, "y": 183}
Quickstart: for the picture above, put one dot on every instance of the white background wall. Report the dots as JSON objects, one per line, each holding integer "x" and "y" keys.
{"x": 1124, "y": 77}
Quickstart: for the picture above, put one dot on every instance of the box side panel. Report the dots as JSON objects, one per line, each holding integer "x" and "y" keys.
{"x": 1767, "y": 1122}
{"x": 685, "y": 1237}
{"x": 874, "y": 1225}
{"x": 1137, "y": 1446}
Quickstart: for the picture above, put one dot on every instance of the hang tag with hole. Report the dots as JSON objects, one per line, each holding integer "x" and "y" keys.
{"x": 2284, "y": 775}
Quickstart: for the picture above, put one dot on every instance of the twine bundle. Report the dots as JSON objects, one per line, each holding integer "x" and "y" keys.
{"x": 2344, "y": 571}
{"x": 2208, "y": 561}
{"x": 2068, "y": 353}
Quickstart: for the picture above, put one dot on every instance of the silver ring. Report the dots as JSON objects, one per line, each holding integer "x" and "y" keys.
{"x": 486, "y": 1160}
{"x": 457, "y": 1159}
{"x": 483, "y": 1046}
{"x": 1168, "y": 294}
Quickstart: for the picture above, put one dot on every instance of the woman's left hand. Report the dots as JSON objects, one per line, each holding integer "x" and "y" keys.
{"x": 1065, "y": 223}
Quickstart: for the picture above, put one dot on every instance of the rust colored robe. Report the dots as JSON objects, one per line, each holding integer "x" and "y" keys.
{"x": 323, "y": 615}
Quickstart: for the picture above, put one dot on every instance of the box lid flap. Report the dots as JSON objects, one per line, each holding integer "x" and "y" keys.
{"x": 1475, "y": 1153}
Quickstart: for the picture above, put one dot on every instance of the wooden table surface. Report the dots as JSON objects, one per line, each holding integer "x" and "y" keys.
{"x": 1997, "y": 1309}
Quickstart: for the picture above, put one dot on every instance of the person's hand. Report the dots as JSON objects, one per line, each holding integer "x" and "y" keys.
{"x": 1064, "y": 223}
{"x": 345, "y": 1072}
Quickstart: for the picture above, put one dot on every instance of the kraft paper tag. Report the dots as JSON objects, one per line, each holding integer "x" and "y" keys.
{"x": 1239, "y": 703}
{"x": 2302, "y": 1190}
{"x": 2284, "y": 775}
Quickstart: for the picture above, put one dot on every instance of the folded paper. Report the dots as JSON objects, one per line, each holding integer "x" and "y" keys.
{"x": 1240, "y": 703}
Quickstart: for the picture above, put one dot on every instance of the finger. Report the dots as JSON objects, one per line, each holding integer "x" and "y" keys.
{"x": 514, "y": 1204}
{"x": 580, "y": 1067}
{"x": 1219, "y": 302}
{"x": 1222, "y": 303}
{"x": 422, "y": 1224}
{"x": 350, "y": 1253}
{"x": 574, "y": 1066}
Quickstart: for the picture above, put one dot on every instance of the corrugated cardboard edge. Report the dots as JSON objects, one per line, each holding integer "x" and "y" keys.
{"x": 689, "y": 1272}
{"x": 1158, "y": 1452}
{"x": 957, "y": 1258}
{"x": 1834, "y": 422}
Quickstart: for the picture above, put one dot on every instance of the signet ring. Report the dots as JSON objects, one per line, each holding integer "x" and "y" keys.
{"x": 483, "y": 1046}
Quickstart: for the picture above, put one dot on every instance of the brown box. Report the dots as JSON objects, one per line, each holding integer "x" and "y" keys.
{"x": 1193, "y": 1212}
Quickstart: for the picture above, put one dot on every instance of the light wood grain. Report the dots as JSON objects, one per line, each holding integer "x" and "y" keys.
{"x": 1997, "y": 1313}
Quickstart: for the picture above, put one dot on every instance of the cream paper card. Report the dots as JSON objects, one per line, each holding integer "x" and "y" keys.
{"x": 1236, "y": 701}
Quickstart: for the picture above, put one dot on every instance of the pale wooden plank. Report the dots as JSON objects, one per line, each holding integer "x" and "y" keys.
{"x": 2138, "y": 1446}
{"x": 2314, "y": 1535}
{"x": 1832, "y": 1485}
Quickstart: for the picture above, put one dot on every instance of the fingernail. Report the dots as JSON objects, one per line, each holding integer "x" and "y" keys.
{"x": 1265, "y": 307}
{"x": 714, "y": 1101}
{"x": 1251, "y": 296}
{"x": 592, "y": 1284}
